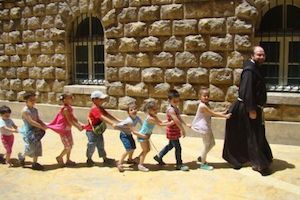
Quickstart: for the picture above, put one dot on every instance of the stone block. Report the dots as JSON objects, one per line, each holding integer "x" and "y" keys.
{"x": 135, "y": 29}
{"x": 5, "y": 84}
{"x": 198, "y": 10}
{"x": 20, "y": 96}
{"x": 29, "y": 60}
{"x": 14, "y": 37}
{"x": 52, "y": 98}
{"x": 211, "y": 59}
{"x": 42, "y": 97}
{"x": 160, "y": 28}
{"x": 185, "y": 27}
{"x": 235, "y": 60}
{"x": 124, "y": 101}
{"x": 111, "y": 46}
{"x": 190, "y": 107}
{"x": 186, "y": 59}
{"x": 60, "y": 47}
{"x": 221, "y": 43}
{"x": 242, "y": 42}
{"x": 219, "y": 106}
{"x": 56, "y": 34}
{"x": 139, "y": 3}
{"x": 232, "y": 93}
{"x": 42, "y": 86}
{"x": 163, "y": 59}
{"x": 235, "y": 25}
{"x": 197, "y": 75}
{"x": 186, "y": 91}
{"x": 22, "y": 72}
{"x": 173, "y": 44}
{"x": 33, "y": 23}
{"x": 3, "y": 94}
{"x": 58, "y": 60}
{"x": 51, "y": 8}
{"x": 48, "y": 73}
{"x": 60, "y": 74}
{"x": 48, "y": 22}
{"x": 35, "y": 72}
{"x": 221, "y": 76}
{"x": 11, "y": 95}
{"x": 115, "y": 60}
{"x": 9, "y": 49}
{"x": 112, "y": 74}
{"x": 216, "y": 93}
{"x": 128, "y": 45}
{"x": 172, "y": 11}
{"x": 246, "y": 11}
{"x": 15, "y": 13}
{"x": 111, "y": 103}
{"x": 290, "y": 113}
{"x": 43, "y": 60}
{"x": 28, "y": 85}
{"x": 150, "y": 44}
{"x": 16, "y": 84}
{"x": 40, "y": 35}
{"x": 34, "y": 48}
{"x": 106, "y": 6}
{"x": 116, "y": 89}
{"x": 128, "y": 15}
{"x": 163, "y": 106}
{"x": 130, "y": 74}
{"x": 160, "y": 90}
{"x": 39, "y": 10}
{"x": 149, "y": 13}
{"x": 15, "y": 61}
{"x": 47, "y": 47}
{"x": 175, "y": 75}
{"x": 212, "y": 25}
{"x": 223, "y": 8}
{"x": 138, "y": 60}
{"x": 272, "y": 113}
{"x": 8, "y": 25}
{"x": 237, "y": 76}
{"x": 153, "y": 75}
{"x": 194, "y": 43}
{"x": 27, "y": 12}
{"x": 2, "y": 73}
{"x": 138, "y": 90}
{"x": 4, "y": 61}
{"x": 58, "y": 86}
{"x": 4, "y": 14}
{"x": 59, "y": 22}
{"x": 161, "y": 2}
{"x": 109, "y": 19}
{"x": 21, "y": 49}
{"x": 114, "y": 32}
{"x": 120, "y": 3}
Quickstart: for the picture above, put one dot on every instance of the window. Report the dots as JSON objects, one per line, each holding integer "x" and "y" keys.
{"x": 88, "y": 51}
{"x": 279, "y": 34}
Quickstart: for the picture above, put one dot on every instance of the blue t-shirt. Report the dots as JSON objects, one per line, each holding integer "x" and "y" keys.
{"x": 129, "y": 121}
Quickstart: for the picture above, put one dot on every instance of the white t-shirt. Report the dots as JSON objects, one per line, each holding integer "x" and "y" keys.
{"x": 8, "y": 123}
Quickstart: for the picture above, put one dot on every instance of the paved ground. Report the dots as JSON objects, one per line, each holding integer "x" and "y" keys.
{"x": 103, "y": 182}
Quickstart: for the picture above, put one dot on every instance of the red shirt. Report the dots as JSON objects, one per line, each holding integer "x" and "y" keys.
{"x": 173, "y": 131}
{"x": 95, "y": 115}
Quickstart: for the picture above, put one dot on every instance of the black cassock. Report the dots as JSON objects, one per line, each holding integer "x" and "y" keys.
{"x": 245, "y": 139}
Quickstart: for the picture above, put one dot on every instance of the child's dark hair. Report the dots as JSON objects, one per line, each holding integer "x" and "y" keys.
{"x": 130, "y": 105}
{"x": 65, "y": 95}
{"x": 202, "y": 89}
{"x": 149, "y": 105}
{"x": 4, "y": 109}
{"x": 173, "y": 94}
{"x": 27, "y": 95}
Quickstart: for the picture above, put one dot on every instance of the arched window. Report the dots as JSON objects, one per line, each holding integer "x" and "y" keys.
{"x": 279, "y": 33}
{"x": 88, "y": 51}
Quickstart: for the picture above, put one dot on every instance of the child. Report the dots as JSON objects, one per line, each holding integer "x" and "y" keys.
{"x": 62, "y": 124}
{"x": 33, "y": 131}
{"x": 126, "y": 136}
{"x": 97, "y": 116}
{"x": 7, "y": 127}
{"x": 202, "y": 125}
{"x": 151, "y": 120}
{"x": 174, "y": 132}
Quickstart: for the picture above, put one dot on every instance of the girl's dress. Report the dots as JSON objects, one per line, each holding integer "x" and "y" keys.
{"x": 146, "y": 129}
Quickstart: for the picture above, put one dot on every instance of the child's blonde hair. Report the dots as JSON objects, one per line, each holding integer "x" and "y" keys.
{"x": 149, "y": 105}
{"x": 203, "y": 89}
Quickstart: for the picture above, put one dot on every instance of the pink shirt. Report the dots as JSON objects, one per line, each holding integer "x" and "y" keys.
{"x": 60, "y": 124}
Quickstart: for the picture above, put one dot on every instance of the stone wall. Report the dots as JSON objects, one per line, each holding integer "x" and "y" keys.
{"x": 151, "y": 47}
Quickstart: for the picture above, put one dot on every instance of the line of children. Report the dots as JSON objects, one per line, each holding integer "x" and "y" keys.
{"x": 34, "y": 129}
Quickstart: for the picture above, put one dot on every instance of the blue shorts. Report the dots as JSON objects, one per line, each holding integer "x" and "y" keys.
{"x": 127, "y": 141}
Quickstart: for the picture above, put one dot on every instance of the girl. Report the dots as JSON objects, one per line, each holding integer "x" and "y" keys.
{"x": 33, "y": 131}
{"x": 7, "y": 127}
{"x": 151, "y": 120}
{"x": 62, "y": 124}
{"x": 202, "y": 125}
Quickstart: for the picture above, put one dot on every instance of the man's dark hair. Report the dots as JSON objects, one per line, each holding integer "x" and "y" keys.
{"x": 4, "y": 109}
{"x": 27, "y": 95}
{"x": 173, "y": 94}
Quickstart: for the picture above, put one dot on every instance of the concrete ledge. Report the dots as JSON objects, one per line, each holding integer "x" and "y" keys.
{"x": 283, "y": 98}
{"x": 278, "y": 132}
{"x": 84, "y": 89}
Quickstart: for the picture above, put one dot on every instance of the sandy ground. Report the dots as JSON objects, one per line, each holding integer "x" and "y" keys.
{"x": 105, "y": 182}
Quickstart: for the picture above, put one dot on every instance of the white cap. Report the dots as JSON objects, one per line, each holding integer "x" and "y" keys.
{"x": 98, "y": 94}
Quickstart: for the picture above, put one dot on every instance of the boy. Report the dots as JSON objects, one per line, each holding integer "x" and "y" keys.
{"x": 174, "y": 132}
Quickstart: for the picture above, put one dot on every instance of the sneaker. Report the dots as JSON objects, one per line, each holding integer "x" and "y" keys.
{"x": 70, "y": 163}
{"x": 182, "y": 168}
{"x": 21, "y": 159}
{"x": 120, "y": 168}
{"x": 142, "y": 168}
{"x": 205, "y": 166}
{"x": 60, "y": 161}
{"x": 159, "y": 160}
{"x": 131, "y": 162}
{"x": 90, "y": 162}
{"x": 37, "y": 166}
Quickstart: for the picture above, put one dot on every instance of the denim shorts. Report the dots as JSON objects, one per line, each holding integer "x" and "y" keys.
{"x": 127, "y": 141}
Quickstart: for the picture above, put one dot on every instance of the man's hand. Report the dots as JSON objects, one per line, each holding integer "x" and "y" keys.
{"x": 252, "y": 114}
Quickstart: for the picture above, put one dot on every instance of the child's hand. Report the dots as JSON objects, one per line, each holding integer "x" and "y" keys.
{"x": 183, "y": 133}
{"x": 227, "y": 116}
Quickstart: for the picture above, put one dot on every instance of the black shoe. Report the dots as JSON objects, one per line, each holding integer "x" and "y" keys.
{"x": 263, "y": 172}
{"x": 21, "y": 159}
{"x": 199, "y": 159}
{"x": 159, "y": 160}
{"x": 2, "y": 160}
{"x": 37, "y": 166}
{"x": 90, "y": 162}
{"x": 108, "y": 161}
